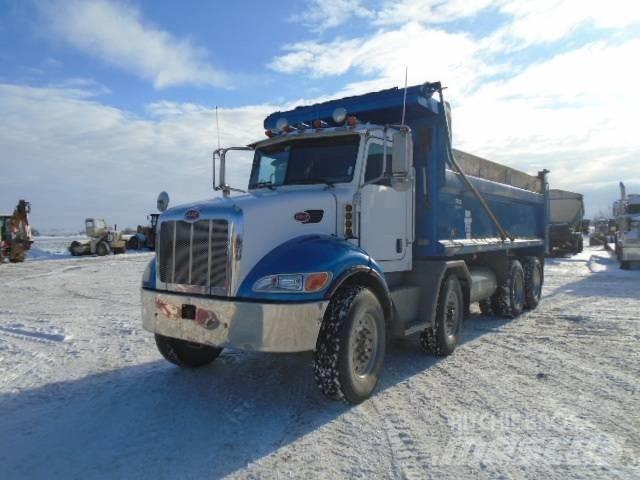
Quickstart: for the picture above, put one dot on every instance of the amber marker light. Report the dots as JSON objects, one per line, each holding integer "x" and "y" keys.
{"x": 348, "y": 221}
{"x": 314, "y": 282}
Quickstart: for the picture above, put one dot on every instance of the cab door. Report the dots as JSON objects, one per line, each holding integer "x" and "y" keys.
{"x": 385, "y": 213}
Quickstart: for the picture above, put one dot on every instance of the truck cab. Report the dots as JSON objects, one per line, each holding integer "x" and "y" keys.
{"x": 627, "y": 213}
{"x": 359, "y": 224}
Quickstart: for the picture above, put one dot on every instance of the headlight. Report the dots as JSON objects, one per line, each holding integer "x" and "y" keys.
{"x": 146, "y": 276}
{"x": 293, "y": 282}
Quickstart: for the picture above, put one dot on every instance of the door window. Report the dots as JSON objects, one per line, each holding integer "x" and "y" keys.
{"x": 375, "y": 163}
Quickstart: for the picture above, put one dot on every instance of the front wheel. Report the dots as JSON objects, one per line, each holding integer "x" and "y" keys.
{"x": 102, "y": 249}
{"x": 186, "y": 354}
{"x": 443, "y": 338}
{"x": 133, "y": 243}
{"x": 351, "y": 345}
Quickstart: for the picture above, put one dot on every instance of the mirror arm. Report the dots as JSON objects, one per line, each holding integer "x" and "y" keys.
{"x": 222, "y": 153}
{"x": 385, "y": 158}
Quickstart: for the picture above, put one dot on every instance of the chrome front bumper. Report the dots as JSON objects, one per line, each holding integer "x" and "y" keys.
{"x": 267, "y": 327}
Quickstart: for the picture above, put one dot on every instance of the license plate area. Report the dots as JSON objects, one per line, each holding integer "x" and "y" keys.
{"x": 188, "y": 311}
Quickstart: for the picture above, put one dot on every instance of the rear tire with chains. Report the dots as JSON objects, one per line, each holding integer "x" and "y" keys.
{"x": 533, "y": 281}
{"x": 509, "y": 298}
{"x": 443, "y": 337}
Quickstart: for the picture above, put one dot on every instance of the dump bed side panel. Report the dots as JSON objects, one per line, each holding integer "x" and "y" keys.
{"x": 450, "y": 220}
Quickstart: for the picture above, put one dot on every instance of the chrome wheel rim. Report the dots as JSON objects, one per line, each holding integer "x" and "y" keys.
{"x": 364, "y": 345}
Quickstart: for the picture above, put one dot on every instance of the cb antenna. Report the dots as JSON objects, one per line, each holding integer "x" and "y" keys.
{"x": 404, "y": 100}
{"x": 218, "y": 127}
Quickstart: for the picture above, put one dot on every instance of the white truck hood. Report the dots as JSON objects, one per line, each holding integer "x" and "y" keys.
{"x": 267, "y": 218}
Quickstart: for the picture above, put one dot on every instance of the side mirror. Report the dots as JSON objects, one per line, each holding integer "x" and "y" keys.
{"x": 222, "y": 153}
{"x": 213, "y": 172}
{"x": 163, "y": 201}
{"x": 402, "y": 153}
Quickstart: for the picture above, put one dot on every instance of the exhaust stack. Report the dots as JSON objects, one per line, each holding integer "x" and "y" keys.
{"x": 623, "y": 192}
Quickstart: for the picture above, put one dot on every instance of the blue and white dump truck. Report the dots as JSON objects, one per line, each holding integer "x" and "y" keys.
{"x": 360, "y": 224}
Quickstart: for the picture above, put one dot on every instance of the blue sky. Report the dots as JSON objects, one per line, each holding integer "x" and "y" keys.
{"x": 105, "y": 103}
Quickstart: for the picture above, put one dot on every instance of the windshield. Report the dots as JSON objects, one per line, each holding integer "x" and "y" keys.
{"x": 305, "y": 161}
{"x": 633, "y": 208}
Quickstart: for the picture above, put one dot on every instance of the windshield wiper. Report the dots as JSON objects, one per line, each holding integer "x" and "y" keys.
{"x": 315, "y": 180}
{"x": 268, "y": 185}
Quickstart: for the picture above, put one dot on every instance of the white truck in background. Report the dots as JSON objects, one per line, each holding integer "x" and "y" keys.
{"x": 627, "y": 214}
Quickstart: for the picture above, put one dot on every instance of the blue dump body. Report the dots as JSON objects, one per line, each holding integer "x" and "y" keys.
{"x": 450, "y": 221}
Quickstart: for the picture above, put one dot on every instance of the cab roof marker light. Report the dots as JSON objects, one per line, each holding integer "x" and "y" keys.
{"x": 319, "y": 124}
{"x": 339, "y": 115}
{"x": 352, "y": 121}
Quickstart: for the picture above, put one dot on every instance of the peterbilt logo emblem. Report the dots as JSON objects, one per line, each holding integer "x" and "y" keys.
{"x": 192, "y": 215}
{"x": 302, "y": 217}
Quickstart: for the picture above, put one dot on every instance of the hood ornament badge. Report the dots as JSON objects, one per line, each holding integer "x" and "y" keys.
{"x": 191, "y": 215}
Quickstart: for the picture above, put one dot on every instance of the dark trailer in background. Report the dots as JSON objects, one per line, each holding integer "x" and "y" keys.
{"x": 566, "y": 212}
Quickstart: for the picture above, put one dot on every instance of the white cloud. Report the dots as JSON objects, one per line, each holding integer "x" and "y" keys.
{"x": 74, "y": 157}
{"x": 397, "y": 12}
{"x": 574, "y": 114}
{"x": 546, "y": 21}
{"x": 115, "y": 33}
{"x": 321, "y": 15}
{"x": 428, "y": 53}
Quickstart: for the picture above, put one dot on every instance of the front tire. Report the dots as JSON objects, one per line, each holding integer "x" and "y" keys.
{"x": 443, "y": 338}
{"x": 75, "y": 248}
{"x": 133, "y": 243}
{"x": 186, "y": 354}
{"x": 102, "y": 249}
{"x": 351, "y": 345}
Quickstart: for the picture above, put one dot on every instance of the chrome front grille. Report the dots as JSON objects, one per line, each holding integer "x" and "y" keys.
{"x": 195, "y": 255}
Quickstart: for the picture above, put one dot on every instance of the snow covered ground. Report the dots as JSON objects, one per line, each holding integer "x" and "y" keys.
{"x": 84, "y": 393}
{"x": 57, "y": 247}
{"x": 53, "y": 247}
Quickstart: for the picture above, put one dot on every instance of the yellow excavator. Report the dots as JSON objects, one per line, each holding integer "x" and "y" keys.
{"x": 15, "y": 233}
